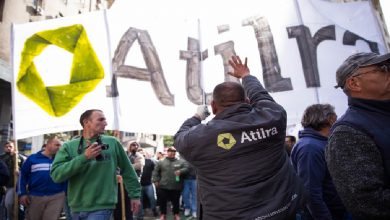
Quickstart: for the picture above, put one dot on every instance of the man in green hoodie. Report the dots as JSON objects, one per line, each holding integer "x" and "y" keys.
{"x": 89, "y": 165}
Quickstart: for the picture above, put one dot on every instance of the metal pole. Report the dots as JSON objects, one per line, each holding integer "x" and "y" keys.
{"x": 201, "y": 64}
{"x": 16, "y": 175}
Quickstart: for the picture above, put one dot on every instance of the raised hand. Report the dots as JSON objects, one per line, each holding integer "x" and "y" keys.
{"x": 240, "y": 70}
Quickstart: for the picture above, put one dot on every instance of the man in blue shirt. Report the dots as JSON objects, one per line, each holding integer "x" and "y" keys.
{"x": 308, "y": 159}
{"x": 43, "y": 198}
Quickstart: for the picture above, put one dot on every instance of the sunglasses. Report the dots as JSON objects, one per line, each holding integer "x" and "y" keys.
{"x": 384, "y": 68}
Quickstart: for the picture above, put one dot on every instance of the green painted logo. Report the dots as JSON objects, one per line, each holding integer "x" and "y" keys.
{"x": 86, "y": 71}
{"x": 226, "y": 141}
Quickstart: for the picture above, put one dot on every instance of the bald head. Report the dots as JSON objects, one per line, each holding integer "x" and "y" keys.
{"x": 227, "y": 94}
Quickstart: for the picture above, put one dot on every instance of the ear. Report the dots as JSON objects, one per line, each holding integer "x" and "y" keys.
{"x": 353, "y": 84}
{"x": 214, "y": 107}
{"x": 247, "y": 100}
{"x": 84, "y": 121}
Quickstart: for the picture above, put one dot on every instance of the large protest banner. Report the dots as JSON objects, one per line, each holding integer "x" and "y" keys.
{"x": 148, "y": 64}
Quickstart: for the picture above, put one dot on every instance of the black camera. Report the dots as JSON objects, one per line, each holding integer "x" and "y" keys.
{"x": 104, "y": 146}
{"x": 100, "y": 157}
{"x": 100, "y": 143}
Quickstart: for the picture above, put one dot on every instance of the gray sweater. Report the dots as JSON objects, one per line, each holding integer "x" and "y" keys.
{"x": 357, "y": 169}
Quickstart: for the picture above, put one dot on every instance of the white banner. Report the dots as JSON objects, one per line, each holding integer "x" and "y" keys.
{"x": 148, "y": 64}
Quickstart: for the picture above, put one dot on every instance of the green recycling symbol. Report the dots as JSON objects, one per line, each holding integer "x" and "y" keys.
{"x": 226, "y": 141}
{"x": 86, "y": 70}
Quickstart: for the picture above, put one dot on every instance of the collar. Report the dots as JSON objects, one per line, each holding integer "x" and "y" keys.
{"x": 310, "y": 132}
{"x": 233, "y": 110}
{"x": 171, "y": 159}
{"x": 381, "y": 107}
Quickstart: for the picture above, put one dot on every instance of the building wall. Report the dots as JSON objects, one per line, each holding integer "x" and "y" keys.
{"x": 22, "y": 11}
{"x": 5, "y": 113}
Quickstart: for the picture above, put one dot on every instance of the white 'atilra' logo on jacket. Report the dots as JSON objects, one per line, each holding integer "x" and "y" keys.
{"x": 258, "y": 134}
{"x": 227, "y": 141}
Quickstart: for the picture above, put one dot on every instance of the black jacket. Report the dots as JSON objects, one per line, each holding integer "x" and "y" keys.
{"x": 242, "y": 166}
{"x": 8, "y": 159}
{"x": 146, "y": 177}
{"x": 4, "y": 173}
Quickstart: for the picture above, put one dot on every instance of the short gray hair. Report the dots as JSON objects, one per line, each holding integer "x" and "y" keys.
{"x": 318, "y": 116}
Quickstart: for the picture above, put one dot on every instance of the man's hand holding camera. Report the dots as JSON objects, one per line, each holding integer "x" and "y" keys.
{"x": 93, "y": 150}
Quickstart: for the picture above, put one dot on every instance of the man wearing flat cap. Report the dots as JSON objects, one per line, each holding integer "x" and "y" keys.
{"x": 358, "y": 151}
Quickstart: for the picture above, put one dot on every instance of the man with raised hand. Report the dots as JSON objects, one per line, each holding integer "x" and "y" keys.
{"x": 242, "y": 166}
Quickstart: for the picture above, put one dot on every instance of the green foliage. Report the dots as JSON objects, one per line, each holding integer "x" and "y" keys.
{"x": 168, "y": 140}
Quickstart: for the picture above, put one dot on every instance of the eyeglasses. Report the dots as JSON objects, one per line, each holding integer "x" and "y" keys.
{"x": 385, "y": 68}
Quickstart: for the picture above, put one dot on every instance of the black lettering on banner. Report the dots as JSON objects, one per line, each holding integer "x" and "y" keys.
{"x": 308, "y": 49}
{"x": 193, "y": 73}
{"x": 223, "y": 28}
{"x": 226, "y": 50}
{"x": 350, "y": 38}
{"x": 273, "y": 81}
{"x": 152, "y": 73}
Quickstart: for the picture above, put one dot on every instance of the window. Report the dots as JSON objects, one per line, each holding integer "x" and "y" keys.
{"x": 2, "y": 2}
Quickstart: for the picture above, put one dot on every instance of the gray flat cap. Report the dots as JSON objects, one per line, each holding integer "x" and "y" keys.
{"x": 354, "y": 62}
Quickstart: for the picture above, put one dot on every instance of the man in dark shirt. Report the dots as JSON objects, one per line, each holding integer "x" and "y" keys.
{"x": 4, "y": 177}
{"x": 9, "y": 158}
{"x": 242, "y": 166}
{"x": 4, "y": 173}
{"x": 289, "y": 143}
{"x": 358, "y": 152}
{"x": 147, "y": 191}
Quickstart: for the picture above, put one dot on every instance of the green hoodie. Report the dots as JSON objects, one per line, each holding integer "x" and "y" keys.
{"x": 92, "y": 184}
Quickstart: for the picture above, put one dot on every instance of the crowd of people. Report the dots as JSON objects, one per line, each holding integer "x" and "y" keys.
{"x": 238, "y": 165}
{"x": 46, "y": 189}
